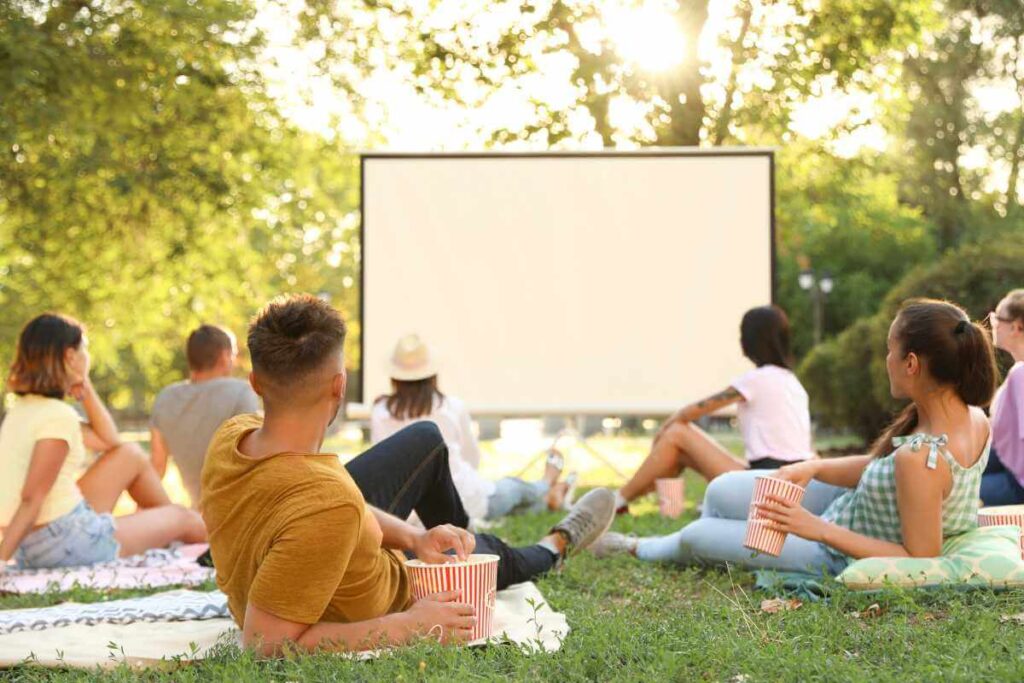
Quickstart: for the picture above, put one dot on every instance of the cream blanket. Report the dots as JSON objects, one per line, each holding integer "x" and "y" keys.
{"x": 522, "y": 615}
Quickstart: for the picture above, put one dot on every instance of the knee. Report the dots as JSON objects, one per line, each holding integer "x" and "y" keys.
{"x": 679, "y": 431}
{"x": 425, "y": 433}
{"x": 131, "y": 452}
{"x": 189, "y": 521}
{"x": 726, "y": 492}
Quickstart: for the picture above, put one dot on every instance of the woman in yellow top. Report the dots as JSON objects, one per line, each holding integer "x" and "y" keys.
{"x": 55, "y": 511}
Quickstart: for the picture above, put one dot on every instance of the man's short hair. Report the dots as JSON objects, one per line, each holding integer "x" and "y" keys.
{"x": 294, "y": 335}
{"x": 205, "y": 346}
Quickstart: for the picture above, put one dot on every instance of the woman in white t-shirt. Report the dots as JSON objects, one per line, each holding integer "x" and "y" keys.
{"x": 772, "y": 409}
{"x": 415, "y": 397}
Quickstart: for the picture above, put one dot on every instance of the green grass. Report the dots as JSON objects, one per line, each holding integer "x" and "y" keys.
{"x": 641, "y": 622}
{"x": 636, "y": 621}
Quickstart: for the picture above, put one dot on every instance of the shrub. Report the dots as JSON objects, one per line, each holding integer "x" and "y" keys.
{"x": 845, "y": 376}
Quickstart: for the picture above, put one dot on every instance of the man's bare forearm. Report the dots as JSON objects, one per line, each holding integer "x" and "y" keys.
{"x": 398, "y": 534}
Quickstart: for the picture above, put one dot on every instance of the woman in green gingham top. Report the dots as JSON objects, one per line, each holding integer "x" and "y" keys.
{"x": 918, "y": 486}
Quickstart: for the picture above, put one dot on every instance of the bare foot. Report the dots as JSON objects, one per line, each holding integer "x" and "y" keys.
{"x": 556, "y": 495}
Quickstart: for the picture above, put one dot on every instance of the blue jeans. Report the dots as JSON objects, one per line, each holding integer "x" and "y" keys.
{"x": 514, "y": 496}
{"x": 717, "y": 537}
{"x": 999, "y": 486}
{"x": 81, "y": 537}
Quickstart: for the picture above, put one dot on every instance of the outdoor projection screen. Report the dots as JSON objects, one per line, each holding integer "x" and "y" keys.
{"x": 608, "y": 283}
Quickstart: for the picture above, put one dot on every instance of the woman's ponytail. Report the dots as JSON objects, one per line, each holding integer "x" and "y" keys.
{"x": 977, "y": 376}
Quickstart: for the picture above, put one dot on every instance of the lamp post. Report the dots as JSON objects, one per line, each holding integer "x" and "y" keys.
{"x": 819, "y": 286}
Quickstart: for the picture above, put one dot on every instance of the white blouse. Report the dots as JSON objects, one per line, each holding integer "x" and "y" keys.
{"x": 452, "y": 418}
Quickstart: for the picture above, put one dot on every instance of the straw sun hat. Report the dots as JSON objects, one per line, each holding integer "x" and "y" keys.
{"x": 411, "y": 360}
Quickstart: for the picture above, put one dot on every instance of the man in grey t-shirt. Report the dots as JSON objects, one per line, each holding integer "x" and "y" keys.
{"x": 186, "y": 414}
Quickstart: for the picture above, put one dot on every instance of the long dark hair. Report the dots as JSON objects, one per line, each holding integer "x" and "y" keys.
{"x": 955, "y": 351}
{"x": 412, "y": 399}
{"x": 764, "y": 336}
{"x": 38, "y": 366}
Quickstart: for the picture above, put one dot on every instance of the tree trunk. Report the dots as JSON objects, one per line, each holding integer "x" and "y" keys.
{"x": 1012, "y": 197}
{"x": 1017, "y": 149}
{"x": 725, "y": 116}
{"x": 682, "y": 93}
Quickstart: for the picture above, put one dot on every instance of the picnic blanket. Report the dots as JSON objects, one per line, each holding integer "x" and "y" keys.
{"x": 179, "y": 605}
{"x": 809, "y": 587}
{"x": 522, "y": 616}
{"x": 152, "y": 569}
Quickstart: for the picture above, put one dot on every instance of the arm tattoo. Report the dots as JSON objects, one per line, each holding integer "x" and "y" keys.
{"x": 727, "y": 395}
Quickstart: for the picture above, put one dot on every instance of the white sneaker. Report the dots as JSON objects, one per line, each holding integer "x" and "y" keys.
{"x": 614, "y": 543}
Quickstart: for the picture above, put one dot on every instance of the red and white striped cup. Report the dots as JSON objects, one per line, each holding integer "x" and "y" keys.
{"x": 476, "y": 579}
{"x": 670, "y": 497}
{"x": 1002, "y": 515}
{"x": 760, "y": 536}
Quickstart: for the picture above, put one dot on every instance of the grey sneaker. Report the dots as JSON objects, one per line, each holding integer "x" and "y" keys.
{"x": 589, "y": 518}
{"x": 613, "y": 543}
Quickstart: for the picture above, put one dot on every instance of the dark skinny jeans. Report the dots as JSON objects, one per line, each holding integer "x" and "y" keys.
{"x": 409, "y": 471}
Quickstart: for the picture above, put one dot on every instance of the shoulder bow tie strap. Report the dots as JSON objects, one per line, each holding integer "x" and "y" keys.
{"x": 915, "y": 441}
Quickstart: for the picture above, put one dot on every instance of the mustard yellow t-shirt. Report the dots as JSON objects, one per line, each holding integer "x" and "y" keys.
{"x": 30, "y": 419}
{"x": 292, "y": 535}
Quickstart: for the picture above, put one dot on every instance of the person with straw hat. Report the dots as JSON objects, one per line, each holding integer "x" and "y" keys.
{"x": 415, "y": 397}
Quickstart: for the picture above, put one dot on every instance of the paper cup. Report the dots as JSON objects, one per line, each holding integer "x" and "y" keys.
{"x": 760, "y": 536}
{"x": 670, "y": 497}
{"x": 476, "y": 579}
{"x": 1003, "y": 515}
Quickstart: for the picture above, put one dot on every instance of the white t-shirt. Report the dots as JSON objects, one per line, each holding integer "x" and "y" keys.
{"x": 452, "y": 418}
{"x": 774, "y": 419}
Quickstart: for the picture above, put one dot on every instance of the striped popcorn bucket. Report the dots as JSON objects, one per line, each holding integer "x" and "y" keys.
{"x": 476, "y": 579}
{"x": 760, "y": 536}
{"x": 670, "y": 497}
{"x": 1003, "y": 515}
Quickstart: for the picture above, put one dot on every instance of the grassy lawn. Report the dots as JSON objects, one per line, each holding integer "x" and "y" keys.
{"x": 634, "y": 621}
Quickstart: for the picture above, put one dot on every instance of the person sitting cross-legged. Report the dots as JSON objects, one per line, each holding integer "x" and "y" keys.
{"x": 312, "y": 553}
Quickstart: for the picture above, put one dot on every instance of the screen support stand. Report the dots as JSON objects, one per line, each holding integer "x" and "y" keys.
{"x": 572, "y": 431}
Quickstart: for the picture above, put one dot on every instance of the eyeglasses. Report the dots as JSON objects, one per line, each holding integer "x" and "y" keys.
{"x": 995, "y": 316}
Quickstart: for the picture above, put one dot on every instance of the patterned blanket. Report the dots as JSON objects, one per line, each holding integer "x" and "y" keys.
{"x": 179, "y": 605}
{"x": 152, "y": 569}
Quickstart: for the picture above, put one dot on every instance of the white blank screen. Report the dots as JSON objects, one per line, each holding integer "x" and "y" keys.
{"x": 561, "y": 284}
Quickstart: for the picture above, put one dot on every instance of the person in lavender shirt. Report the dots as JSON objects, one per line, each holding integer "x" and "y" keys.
{"x": 1003, "y": 482}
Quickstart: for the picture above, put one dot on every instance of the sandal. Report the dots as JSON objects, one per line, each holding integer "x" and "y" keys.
{"x": 555, "y": 459}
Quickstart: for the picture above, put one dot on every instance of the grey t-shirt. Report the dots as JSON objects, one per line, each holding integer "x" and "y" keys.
{"x": 187, "y": 415}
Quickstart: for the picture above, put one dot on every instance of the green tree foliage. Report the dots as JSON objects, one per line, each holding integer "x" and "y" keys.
{"x": 846, "y": 376}
{"x": 980, "y": 45}
{"x": 843, "y": 217}
{"x": 777, "y": 52}
{"x": 147, "y": 183}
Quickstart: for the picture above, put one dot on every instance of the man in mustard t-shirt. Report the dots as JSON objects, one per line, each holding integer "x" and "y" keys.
{"x": 312, "y": 553}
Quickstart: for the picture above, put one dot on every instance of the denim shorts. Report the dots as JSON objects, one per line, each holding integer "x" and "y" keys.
{"x": 81, "y": 537}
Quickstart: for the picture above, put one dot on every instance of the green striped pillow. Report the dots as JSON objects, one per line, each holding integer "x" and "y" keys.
{"x": 987, "y": 556}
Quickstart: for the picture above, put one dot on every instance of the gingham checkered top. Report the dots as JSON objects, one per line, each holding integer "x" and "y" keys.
{"x": 871, "y": 509}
